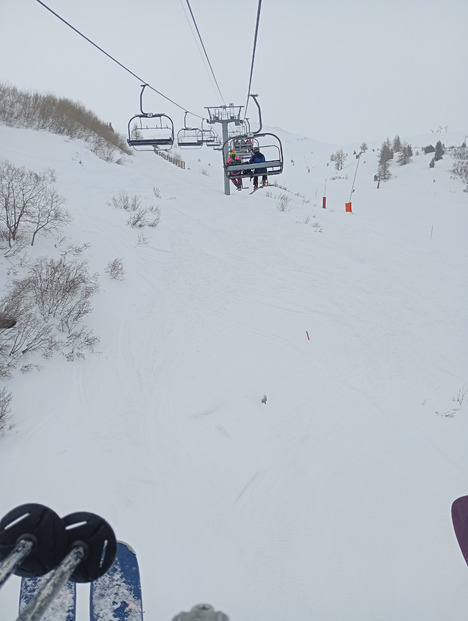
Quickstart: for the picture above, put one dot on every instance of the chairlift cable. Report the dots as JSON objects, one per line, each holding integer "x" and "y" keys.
{"x": 115, "y": 60}
{"x": 253, "y": 55}
{"x": 204, "y": 50}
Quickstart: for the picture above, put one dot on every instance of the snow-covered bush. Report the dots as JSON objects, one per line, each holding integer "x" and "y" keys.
{"x": 140, "y": 216}
{"x": 49, "y": 304}
{"x": 115, "y": 269}
{"x": 5, "y": 400}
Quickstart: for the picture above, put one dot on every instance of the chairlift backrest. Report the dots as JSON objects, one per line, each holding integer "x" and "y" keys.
{"x": 190, "y": 137}
{"x": 148, "y": 130}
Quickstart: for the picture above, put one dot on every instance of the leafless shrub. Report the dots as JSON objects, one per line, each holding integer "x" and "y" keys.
{"x": 60, "y": 116}
{"x": 5, "y": 401}
{"x": 49, "y": 304}
{"x": 103, "y": 149}
{"x": 78, "y": 341}
{"x": 124, "y": 201}
{"x": 460, "y": 166}
{"x": 137, "y": 219}
{"x": 72, "y": 250}
{"x": 282, "y": 202}
{"x": 155, "y": 213}
{"x": 115, "y": 269}
{"x": 140, "y": 216}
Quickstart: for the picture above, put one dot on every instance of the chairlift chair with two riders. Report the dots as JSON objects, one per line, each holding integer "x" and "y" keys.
{"x": 148, "y": 131}
{"x": 269, "y": 144}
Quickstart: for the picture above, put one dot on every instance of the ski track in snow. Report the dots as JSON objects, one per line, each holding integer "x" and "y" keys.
{"x": 331, "y": 501}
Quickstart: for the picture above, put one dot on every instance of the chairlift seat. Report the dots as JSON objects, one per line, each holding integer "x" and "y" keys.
{"x": 150, "y": 142}
{"x": 273, "y": 167}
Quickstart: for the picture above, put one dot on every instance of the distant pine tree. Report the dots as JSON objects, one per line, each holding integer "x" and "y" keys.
{"x": 397, "y": 144}
{"x": 385, "y": 155}
{"x": 405, "y": 155}
{"x": 439, "y": 151}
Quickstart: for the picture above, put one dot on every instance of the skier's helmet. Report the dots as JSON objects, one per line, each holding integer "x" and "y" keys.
{"x": 256, "y": 149}
{"x": 232, "y": 153}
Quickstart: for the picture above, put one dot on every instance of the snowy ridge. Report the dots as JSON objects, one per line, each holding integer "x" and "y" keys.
{"x": 331, "y": 501}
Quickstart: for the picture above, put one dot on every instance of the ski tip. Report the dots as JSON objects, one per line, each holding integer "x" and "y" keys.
{"x": 127, "y": 545}
{"x": 460, "y": 523}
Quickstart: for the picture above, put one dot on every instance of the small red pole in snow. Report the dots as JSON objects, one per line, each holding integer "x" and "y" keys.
{"x": 324, "y": 202}
{"x": 378, "y": 185}
{"x": 308, "y": 337}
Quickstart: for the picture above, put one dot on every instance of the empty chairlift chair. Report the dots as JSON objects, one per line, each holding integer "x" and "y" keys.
{"x": 148, "y": 131}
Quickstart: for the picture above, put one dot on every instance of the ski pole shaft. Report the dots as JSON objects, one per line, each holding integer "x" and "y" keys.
{"x": 37, "y": 608}
{"x": 22, "y": 549}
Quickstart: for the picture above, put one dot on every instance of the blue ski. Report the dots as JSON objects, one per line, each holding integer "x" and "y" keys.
{"x": 63, "y": 607}
{"x": 116, "y": 596}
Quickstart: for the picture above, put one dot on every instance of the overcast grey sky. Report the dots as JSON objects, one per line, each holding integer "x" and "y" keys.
{"x": 339, "y": 72}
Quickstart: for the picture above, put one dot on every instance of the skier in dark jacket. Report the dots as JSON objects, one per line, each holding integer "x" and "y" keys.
{"x": 256, "y": 158}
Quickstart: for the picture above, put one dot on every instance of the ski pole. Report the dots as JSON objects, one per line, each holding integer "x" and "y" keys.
{"x": 92, "y": 548}
{"x": 45, "y": 596}
{"x": 33, "y": 541}
{"x": 23, "y": 548}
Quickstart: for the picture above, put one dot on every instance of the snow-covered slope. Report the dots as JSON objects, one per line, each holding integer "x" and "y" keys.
{"x": 331, "y": 501}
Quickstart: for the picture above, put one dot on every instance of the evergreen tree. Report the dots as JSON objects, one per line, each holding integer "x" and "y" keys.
{"x": 439, "y": 151}
{"x": 405, "y": 155}
{"x": 397, "y": 144}
{"x": 385, "y": 155}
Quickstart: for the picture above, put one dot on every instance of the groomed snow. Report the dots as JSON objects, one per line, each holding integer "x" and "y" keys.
{"x": 329, "y": 502}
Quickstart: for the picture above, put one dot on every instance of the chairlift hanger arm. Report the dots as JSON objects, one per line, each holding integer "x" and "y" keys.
{"x": 254, "y": 97}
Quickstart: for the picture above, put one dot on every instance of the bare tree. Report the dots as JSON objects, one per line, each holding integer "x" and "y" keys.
{"x": 48, "y": 214}
{"x": 19, "y": 190}
{"x": 26, "y": 197}
{"x": 339, "y": 158}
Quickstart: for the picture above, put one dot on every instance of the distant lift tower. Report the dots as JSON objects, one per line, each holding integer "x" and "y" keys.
{"x": 225, "y": 115}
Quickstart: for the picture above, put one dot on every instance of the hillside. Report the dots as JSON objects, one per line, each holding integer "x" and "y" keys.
{"x": 331, "y": 501}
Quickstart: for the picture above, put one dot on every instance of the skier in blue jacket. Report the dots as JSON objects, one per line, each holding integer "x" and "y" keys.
{"x": 256, "y": 158}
